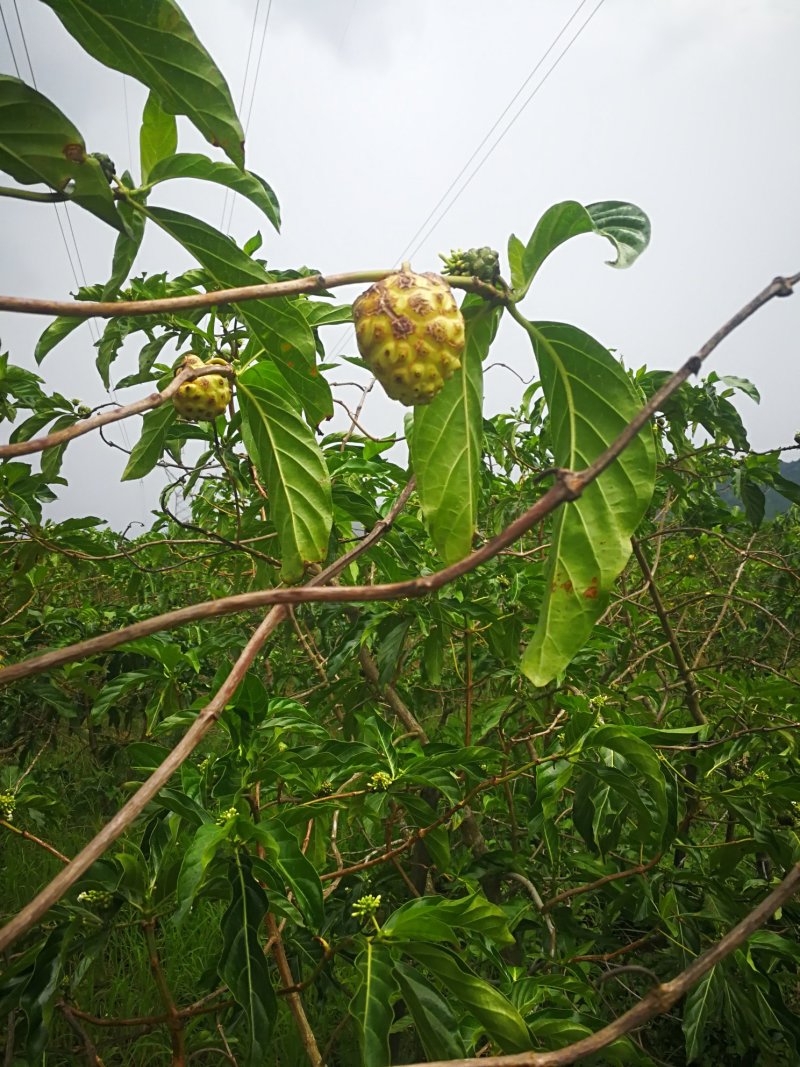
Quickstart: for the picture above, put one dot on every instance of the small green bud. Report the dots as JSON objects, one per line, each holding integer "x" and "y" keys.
{"x": 366, "y": 906}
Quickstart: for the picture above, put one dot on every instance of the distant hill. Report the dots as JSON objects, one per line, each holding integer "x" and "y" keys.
{"x": 775, "y": 503}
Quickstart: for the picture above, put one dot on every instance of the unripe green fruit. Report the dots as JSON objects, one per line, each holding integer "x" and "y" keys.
{"x": 202, "y": 399}
{"x": 411, "y": 334}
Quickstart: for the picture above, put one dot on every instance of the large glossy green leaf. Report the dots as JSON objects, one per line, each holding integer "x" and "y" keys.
{"x": 437, "y": 919}
{"x": 158, "y": 135}
{"x": 446, "y": 441}
{"x": 590, "y": 399}
{"x": 243, "y": 966}
{"x": 39, "y": 144}
{"x": 625, "y": 225}
{"x": 152, "y": 41}
{"x": 193, "y": 165}
{"x": 286, "y": 454}
{"x": 436, "y": 1025}
{"x": 371, "y": 1006}
{"x": 148, "y": 449}
{"x": 495, "y": 1012}
{"x": 277, "y": 325}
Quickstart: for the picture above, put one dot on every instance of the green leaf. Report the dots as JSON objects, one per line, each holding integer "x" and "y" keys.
{"x": 191, "y": 165}
{"x": 204, "y": 847}
{"x": 591, "y": 400}
{"x": 38, "y": 996}
{"x": 700, "y": 1012}
{"x": 516, "y": 256}
{"x": 284, "y": 854}
{"x": 625, "y": 225}
{"x": 148, "y": 449}
{"x": 291, "y": 464}
{"x": 152, "y": 41}
{"x": 120, "y": 687}
{"x": 54, "y": 334}
{"x": 495, "y": 1012}
{"x": 371, "y": 1006}
{"x": 38, "y": 143}
{"x": 437, "y": 919}
{"x": 278, "y": 325}
{"x": 752, "y": 496}
{"x": 127, "y": 244}
{"x": 446, "y": 441}
{"x": 243, "y": 966}
{"x": 435, "y": 1023}
{"x": 158, "y": 136}
{"x": 640, "y": 756}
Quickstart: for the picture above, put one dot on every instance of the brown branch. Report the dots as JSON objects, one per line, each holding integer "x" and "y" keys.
{"x": 390, "y": 695}
{"x": 692, "y": 694}
{"x": 36, "y": 840}
{"x": 69, "y": 433}
{"x": 292, "y": 995}
{"x": 569, "y": 486}
{"x": 657, "y": 1001}
{"x": 315, "y": 283}
{"x": 204, "y": 722}
{"x": 631, "y": 872}
{"x": 174, "y": 1021}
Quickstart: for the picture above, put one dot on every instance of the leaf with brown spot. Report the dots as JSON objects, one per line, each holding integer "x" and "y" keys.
{"x": 39, "y": 145}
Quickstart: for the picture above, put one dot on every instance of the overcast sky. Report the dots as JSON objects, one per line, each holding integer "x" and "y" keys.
{"x": 366, "y": 110}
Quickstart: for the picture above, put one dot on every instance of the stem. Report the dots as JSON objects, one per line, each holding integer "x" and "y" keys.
{"x": 316, "y": 283}
{"x": 30, "y": 194}
{"x": 174, "y": 1020}
{"x": 293, "y": 997}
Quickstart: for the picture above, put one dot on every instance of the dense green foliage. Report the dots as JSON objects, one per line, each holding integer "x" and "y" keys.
{"x": 488, "y": 818}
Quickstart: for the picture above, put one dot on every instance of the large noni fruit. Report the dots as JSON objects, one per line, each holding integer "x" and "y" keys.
{"x": 410, "y": 334}
{"x": 202, "y": 398}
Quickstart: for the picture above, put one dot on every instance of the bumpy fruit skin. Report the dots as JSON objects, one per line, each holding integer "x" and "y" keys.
{"x": 411, "y": 334}
{"x": 203, "y": 398}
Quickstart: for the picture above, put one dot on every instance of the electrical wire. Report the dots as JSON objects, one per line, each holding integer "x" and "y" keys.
{"x": 10, "y": 45}
{"x": 252, "y": 98}
{"x": 492, "y": 128}
{"x": 241, "y": 98}
{"x": 528, "y": 99}
{"x": 349, "y": 331}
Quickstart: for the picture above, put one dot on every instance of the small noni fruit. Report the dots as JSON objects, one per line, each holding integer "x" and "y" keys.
{"x": 202, "y": 398}
{"x": 411, "y": 334}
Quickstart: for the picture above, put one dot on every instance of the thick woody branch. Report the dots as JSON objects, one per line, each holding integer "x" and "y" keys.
{"x": 154, "y": 400}
{"x": 657, "y": 1001}
{"x": 315, "y": 283}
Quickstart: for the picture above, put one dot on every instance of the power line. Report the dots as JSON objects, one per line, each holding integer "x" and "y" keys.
{"x": 10, "y": 45}
{"x": 241, "y": 98}
{"x": 252, "y": 98}
{"x": 492, "y": 128}
{"x": 528, "y": 99}
{"x": 537, "y": 66}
